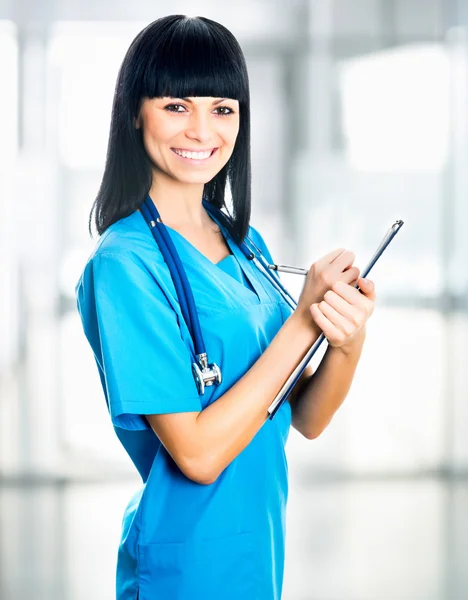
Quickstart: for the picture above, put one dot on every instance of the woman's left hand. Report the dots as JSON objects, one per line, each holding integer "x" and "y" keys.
{"x": 344, "y": 311}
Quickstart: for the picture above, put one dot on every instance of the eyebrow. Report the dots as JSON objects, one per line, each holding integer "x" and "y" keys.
{"x": 215, "y": 102}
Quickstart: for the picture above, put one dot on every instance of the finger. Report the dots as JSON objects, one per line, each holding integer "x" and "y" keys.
{"x": 329, "y": 258}
{"x": 337, "y": 319}
{"x": 367, "y": 286}
{"x": 344, "y": 260}
{"x": 352, "y": 294}
{"x": 342, "y": 306}
{"x": 350, "y": 276}
{"x": 329, "y": 330}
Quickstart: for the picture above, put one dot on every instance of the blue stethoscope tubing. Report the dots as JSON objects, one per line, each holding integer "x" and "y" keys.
{"x": 181, "y": 284}
{"x": 205, "y": 373}
{"x": 255, "y": 256}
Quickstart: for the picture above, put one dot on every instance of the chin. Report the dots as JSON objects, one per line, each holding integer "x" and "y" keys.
{"x": 200, "y": 181}
{"x": 200, "y": 178}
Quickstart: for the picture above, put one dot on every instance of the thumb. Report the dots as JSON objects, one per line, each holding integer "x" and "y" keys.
{"x": 367, "y": 286}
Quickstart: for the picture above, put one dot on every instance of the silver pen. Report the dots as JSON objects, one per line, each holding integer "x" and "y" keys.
{"x": 286, "y": 269}
{"x": 387, "y": 239}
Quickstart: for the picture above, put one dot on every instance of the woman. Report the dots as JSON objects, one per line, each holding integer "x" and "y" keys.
{"x": 209, "y": 521}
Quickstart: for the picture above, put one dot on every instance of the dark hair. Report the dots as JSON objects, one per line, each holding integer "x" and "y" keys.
{"x": 176, "y": 56}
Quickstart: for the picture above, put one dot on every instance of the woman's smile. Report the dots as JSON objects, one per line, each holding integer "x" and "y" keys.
{"x": 195, "y": 158}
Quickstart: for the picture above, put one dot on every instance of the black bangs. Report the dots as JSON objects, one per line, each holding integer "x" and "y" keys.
{"x": 191, "y": 62}
{"x": 179, "y": 57}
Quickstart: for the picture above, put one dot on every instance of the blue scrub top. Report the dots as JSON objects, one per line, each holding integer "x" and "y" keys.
{"x": 182, "y": 540}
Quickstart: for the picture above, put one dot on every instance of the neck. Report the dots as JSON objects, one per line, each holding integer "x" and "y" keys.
{"x": 180, "y": 206}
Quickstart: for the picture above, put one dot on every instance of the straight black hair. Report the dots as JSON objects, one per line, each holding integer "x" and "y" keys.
{"x": 175, "y": 56}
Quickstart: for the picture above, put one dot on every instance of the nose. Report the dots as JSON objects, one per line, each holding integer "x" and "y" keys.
{"x": 200, "y": 127}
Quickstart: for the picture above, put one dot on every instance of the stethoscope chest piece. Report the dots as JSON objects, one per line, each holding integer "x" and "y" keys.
{"x": 205, "y": 374}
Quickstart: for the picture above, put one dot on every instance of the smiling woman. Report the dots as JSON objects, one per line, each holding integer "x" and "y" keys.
{"x": 168, "y": 267}
{"x": 184, "y": 85}
{"x": 199, "y": 135}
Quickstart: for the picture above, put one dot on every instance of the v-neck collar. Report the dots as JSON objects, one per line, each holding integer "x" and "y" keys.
{"x": 256, "y": 290}
{"x": 195, "y": 249}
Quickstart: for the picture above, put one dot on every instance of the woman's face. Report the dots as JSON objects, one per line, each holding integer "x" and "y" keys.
{"x": 198, "y": 124}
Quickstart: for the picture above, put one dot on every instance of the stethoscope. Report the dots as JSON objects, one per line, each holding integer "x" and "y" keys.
{"x": 204, "y": 372}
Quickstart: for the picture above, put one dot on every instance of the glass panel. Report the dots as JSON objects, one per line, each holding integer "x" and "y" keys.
{"x": 84, "y": 58}
{"x": 87, "y": 57}
{"x": 10, "y": 301}
{"x": 8, "y": 154}
{"x": 392, "y": 167}
{"x": 87, "y": 425}
{"x": 399, "y": 159}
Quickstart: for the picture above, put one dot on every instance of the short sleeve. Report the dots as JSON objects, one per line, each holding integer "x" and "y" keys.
{"x": 145, "y": 362}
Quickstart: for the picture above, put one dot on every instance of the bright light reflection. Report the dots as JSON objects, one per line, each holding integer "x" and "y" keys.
{"x": 9, "y": 96}
{"x": 87, "y": 57}
{"x": 396, "y": 108}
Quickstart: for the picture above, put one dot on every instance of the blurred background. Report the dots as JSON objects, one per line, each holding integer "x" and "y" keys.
{"x": 359, "y": 118}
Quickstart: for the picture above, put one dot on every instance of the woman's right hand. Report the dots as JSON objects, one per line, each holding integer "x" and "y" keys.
{"x": 322, "y": 274}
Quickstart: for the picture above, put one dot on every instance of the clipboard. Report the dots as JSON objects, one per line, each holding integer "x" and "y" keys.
{"x": 298, "y": 371}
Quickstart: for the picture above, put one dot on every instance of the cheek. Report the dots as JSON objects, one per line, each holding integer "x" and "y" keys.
{"x": 159, "y": 131}
{"x": 232, "y": 131}
{"x": 228, "y": 136}
{"x": 157, "y": 135}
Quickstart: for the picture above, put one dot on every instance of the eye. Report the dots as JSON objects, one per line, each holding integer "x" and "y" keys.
{"x": 226, "y": 113}
{"x": 170, "y": 108}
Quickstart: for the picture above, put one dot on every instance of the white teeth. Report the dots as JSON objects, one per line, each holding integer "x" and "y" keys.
{"x": 195, "y": 155}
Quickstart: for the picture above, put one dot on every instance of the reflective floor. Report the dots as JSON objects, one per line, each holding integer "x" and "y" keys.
{"x": 348, "y": 540}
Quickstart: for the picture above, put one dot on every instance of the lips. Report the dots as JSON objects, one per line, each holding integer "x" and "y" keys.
{"x": 195, "y": 149}
{"x": 177, "y": 150}
{"x": 194, "y": 161}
